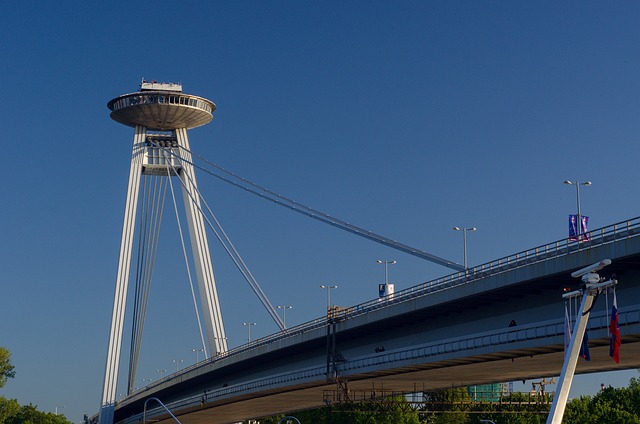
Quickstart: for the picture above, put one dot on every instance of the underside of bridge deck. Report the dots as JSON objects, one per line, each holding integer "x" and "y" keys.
{"x": 504, "y": 367}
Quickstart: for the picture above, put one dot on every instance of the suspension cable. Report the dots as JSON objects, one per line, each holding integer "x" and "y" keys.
{"x": 151, "y": 212}
{"x": 227, "y": 244}
{"x": 278, "y": 199}
{"x": 186, "y": 261}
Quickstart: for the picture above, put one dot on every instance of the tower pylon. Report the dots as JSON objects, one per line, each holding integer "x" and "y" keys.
{"x": 161, "y": 114}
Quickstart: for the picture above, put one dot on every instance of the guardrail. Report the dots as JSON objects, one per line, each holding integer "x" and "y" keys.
{"x": 563, "y": 247}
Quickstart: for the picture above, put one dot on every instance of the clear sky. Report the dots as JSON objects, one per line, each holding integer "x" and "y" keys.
{"x": 406, "y": 118}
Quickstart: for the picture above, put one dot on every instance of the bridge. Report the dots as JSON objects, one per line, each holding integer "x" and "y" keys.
{"x": 496, "y": 322}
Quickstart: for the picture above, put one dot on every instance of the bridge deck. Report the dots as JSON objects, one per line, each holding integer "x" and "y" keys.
{"x": 451, "y": 332}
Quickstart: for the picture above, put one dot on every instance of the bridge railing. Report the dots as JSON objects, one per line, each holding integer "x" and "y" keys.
{"x": 563, "y": 247}
{"x": 432, "y": 351}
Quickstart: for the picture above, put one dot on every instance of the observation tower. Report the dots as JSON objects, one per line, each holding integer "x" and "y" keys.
{"x": 161, "y": 114}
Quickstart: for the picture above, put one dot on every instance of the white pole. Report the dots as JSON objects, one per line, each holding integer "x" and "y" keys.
{"x": 217, "y": 341}
{"x": 571, "y": 357}
{"x": 122, "y": 280}
{"x": 570, "y": 361}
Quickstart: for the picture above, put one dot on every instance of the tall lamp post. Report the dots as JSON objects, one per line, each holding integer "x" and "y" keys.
{"x": 386, "y": 268}
{"x": 284, "y": 314}
{"x": 464, "y": 241}
{"x": 177, "y": 362}
{"x": 248, "y": 325}
{"x": 196, "y": 350}
{"x": 578, "y": 184}
{"x": 322, "y": 286}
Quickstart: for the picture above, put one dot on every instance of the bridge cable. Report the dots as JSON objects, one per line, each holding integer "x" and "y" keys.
{"x": 228, "y": 245}
{"x": 237, "y": 259}
{"x": 151, "y": 213}
{"x": 186, "y": 261}
{"x": 278, "y": 199}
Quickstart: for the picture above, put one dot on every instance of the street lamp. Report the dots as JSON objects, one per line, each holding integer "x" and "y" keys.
{"x": 578, "y": 184}
{"x": 386, "y": 270}
{"x": 161, "y": 372}
{"x": 248, "y": 325}
{"x": 177, "y": 361}
{"x": 464, "y": 241}
{"x": 284, "y": 314}
{"x": 322, "y": 286}
{"x": 197, "y": 351}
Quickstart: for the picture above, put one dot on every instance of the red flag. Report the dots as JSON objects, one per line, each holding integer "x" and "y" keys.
{"x": 614, "y": 332}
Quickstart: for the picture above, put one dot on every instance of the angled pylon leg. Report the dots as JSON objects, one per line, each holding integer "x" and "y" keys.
{"x": 122, "y": 280}
{"x": 217, "y": 342}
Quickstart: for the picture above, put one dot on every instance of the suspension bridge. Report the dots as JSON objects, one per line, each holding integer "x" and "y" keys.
{"x": 412, "y": 340}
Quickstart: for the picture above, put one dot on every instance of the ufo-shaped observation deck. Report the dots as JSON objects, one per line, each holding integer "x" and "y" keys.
{"x": 162, "y": 110}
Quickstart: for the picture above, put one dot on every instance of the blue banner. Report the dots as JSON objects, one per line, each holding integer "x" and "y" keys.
{"x": 573, "y": 227}
{"x": 584, "y": 220}
{"x": 584, "y": 349}
{"x": 574, "y": 235}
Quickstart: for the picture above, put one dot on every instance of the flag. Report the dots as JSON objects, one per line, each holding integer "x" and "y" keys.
{"x": 573, "y": 227}
{"x": 584, "y": 236}
{"x": 567, "y": 330}
{"x": 584, "y": 349}
{"x": 614, "y": 332}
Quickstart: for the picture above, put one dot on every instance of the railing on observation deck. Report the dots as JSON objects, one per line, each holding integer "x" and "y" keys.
{"x": 599, "y": 237}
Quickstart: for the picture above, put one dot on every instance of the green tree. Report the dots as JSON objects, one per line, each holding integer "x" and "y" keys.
{"x": 448, "y": 406}
{"x": 577, "y": 410}
{"x": 12, "y": 413}
{"x": 29, "y": 414}
{"x": 612, "y": 406}
{"x": 391, "y": 411}
{"x": 6, "y": 369}
{"x": 9, "y": 408}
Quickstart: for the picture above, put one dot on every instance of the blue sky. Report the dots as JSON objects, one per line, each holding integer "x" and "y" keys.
{"x": 406, "y": 118}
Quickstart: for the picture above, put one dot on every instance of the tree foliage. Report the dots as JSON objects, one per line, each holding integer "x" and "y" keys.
{"x": 6, "y": 369}
{"x": 396, "y": 411}
{"x": 453, "y": 406}
{"x": 10, "y": 410}
{"x": 12, "y": 413}
{"x": 613, "y": 406}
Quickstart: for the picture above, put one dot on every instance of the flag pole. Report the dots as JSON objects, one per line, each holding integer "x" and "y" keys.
{"x": 592, "y": 287}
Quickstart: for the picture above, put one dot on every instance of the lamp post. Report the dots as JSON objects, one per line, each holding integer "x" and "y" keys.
{"x": 464, "y": 242}
{"x": 248, "y": 325}
{"x": 322, "y": 286}
{"x": 161, "y": 372}
{"x": 386, "y": 268}
{"x": 578, "y": 184}
{"x": 284, "y": 314}
{"x": 196, "y": 350}
{"x": 177, "y": 361}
